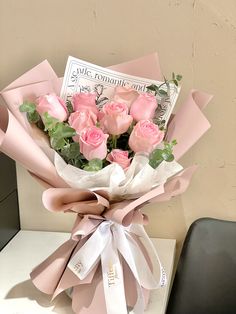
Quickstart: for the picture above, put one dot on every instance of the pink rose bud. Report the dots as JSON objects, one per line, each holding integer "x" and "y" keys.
{"x": 80, "y": 120}
{"x": 125, "y": 95}
{"x": 145, "y": 137}
{"x": 119, "y": 156}
{"x": 93, "y": 143}
{"x": 143, "y": 108}
{"x": 84, "y": 101}
{"x": 53, "y": 105}
{"x": 116, "y": 119}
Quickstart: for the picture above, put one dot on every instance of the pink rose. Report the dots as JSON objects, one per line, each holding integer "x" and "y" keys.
{"x": 125, "y": 95}
{"x": 80, "y": 120}
{"x": 84, "y": 101}
{"x": 119, "y": 156}
{"x": 53, "y": 105}
{"x": 116, "y": 119}
{"x": 145, "y": 137}
{"x": 93, "y": 143}
{"x": 143, "y": 108}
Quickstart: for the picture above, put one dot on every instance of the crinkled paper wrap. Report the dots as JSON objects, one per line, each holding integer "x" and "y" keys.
{"x": 114, "y": 202}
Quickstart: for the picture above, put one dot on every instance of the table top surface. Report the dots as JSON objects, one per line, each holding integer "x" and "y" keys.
{"x": 27, "y": 249}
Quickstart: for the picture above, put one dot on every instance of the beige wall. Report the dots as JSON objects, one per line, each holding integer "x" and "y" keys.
{"x": 196, "y": 38}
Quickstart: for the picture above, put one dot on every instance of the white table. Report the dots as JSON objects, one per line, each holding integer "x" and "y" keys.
{"x": 28, "y": 248}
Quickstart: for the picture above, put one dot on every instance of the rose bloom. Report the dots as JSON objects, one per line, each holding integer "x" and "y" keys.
{"x": 143, "y": 108}
{"x": 93, "y": 143}
{"x": 116, "y": 119}
{"x": 84, "y": 101}
{"x": 119, "y": 156}
{"x": 145, "y": 137}
{"x": 125, "y": 95}
{"x": 53, "y": 105}
{"x": 80, "y": 120}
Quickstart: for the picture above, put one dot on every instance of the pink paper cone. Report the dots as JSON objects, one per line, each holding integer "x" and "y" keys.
{"x": 189, "y": 123}
{"x": 17, "y": 144}
{"x": 47, "y": 275}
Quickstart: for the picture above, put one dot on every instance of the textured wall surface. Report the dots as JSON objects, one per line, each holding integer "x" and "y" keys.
{"x": 196, "y": 38}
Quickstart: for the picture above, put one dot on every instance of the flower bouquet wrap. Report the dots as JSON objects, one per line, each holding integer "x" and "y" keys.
{"x": 103, "y": 143}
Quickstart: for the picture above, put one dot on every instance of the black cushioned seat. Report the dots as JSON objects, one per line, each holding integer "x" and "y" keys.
{"x": 205, "y": 281}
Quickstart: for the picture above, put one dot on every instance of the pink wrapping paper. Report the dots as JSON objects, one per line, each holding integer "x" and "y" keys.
{"x": 91, "y": 208}
{"x": 180, "y": 127}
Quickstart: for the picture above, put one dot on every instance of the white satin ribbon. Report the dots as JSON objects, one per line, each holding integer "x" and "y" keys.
{"x": 105, "y": 244}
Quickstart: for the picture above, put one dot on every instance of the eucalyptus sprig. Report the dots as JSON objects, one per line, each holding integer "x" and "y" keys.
{"x": 94, "y": 165}
{"x": 176, "y": 78}
{"x": 57, "y": 131}
{"x": 159, "y": 155}
{"x": 31, "y": 113}
{"x": 71, "y": 154}
{"x": 163, "y": 90}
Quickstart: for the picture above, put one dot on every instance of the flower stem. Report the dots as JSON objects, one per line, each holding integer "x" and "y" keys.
{"x": 114, "y": 141}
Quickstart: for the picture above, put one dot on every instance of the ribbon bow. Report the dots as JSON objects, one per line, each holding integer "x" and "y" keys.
{"x": 106, "y": 243}
{"x": 110, "y": 232}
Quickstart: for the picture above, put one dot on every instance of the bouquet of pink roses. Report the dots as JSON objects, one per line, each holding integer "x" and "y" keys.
{"x": 89, "y": 136}
{"x": 102, "y": 155}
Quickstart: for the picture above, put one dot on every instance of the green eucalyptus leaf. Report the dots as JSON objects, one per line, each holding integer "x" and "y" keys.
{"x": 77, "y": 163}
{"x": 57, "y": 143}
{"x": 27, "y": 107}
{"x": 88, "y": 168}
{"x": 162, "y": 92}
{"x": 158, "y": 155}
{"x": 94, "y": 165}
{"x": 173, "y": 76}
{"x": 155, "y": 158}
{"x": 74, "y": 151}
{"x": 155, "y": 163}
{"x": 174, "y": 142}
{"x": 71, "y": 154}
{"x": 179, "y": 77}
{"x": 176, "y": 83}
{"x": 71, "y": 151}
{"x": 33, "y": 117}
{"x": 167, "y": 155}
{"x": 62, "y": 130}
{"x": 170, "y": 158}
{"x": 153, "y": 88}
{"x": 49, "y": 121}
{"x": 58, "y": 131}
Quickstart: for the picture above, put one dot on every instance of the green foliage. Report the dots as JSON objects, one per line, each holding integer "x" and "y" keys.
{"x": 176, "y": 78}
{"x": 27, "y": 107}
{"x": 49, "y": 122}
{"x": 31, "y": 113}
{"x": 71, "y": 151}
{"x": 57, "y": 131}
{"x": 158, "y": 155}
{"x": 163, "y": 89}
{"x": 158, "y": 90}
{"x": 71, "y": 154}
{"x": 33, "y": 117}
{"x": 94, "y": 165}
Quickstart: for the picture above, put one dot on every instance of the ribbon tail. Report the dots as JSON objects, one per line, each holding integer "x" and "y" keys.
{"x": 134, "y": 257}
{"x": 140, "y": 231}
{"x": 113, "y": 281}
{"x": 89, "y": 254}
{"x": 139, "y": 307}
